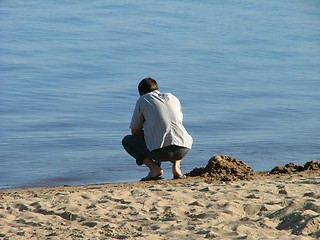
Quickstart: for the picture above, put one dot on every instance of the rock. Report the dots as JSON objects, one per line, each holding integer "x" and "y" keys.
{"x": 312, "y": 166}
{"x": 294, "y": 168}
{"x": 89, "y": 224}
{"x": 225, "y": 168}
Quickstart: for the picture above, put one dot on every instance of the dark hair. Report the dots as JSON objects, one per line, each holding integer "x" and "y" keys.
{"x": 147, "y": 85}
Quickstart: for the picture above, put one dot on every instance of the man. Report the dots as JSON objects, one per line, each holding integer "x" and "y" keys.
{"x": 157, "y": 131}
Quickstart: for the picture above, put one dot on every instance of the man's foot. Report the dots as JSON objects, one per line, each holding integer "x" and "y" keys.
{"x": 179, "y": 176}
{"x": 155, "y": 169}
{"x": 149, "y": 178}
{"x": 176, "y": 171}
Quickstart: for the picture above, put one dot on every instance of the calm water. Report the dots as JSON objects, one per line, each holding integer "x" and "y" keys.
{"x": 247, "y": 74}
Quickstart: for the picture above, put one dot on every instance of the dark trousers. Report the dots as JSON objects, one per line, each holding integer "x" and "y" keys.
{"x": 137, "y": 148}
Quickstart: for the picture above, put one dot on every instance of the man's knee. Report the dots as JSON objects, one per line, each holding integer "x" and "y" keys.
{"x": 126, "y": 140}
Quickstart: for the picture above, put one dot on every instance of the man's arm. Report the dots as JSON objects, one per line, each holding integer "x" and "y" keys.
{"x": 137, "y": 132}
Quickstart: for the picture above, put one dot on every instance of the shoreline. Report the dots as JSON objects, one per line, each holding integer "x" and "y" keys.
{"x": 113, "y": 184}
{"x": 282, "y": 206}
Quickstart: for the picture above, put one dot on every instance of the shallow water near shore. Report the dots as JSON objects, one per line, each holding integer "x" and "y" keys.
{"x": 247, "y": 74}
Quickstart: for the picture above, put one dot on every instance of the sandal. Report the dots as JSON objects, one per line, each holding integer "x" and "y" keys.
{"x": 180, "y": 177}
{"x": 149, "y": 178}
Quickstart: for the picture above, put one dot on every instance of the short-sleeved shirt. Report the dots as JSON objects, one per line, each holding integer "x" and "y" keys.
{"x": 159, "y": 115}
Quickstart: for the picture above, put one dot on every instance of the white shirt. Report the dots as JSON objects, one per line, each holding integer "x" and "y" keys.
{"x": 160, "y": 116}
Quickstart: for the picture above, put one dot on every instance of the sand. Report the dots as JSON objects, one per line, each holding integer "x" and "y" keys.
{"x": 268, "y": 207}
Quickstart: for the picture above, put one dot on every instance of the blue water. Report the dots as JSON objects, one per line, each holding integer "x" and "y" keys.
{"x": 247, "y": 74}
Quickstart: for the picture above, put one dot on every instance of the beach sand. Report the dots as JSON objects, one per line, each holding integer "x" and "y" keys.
{"x": 268, "y": 207}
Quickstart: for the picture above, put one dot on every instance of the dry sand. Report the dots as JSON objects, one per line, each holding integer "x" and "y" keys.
{"x": 268, "y": 207}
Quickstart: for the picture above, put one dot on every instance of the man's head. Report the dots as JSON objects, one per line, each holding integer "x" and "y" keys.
{"x": 147, "y": 85}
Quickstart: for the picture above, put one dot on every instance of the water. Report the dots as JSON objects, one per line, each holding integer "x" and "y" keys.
{"x": 247, "y": 74}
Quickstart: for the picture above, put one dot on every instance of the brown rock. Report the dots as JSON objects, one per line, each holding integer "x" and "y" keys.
{"x": 312, "y": 166}
{"x": 225, "y": 168}
{"x": 294, "y": 168}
